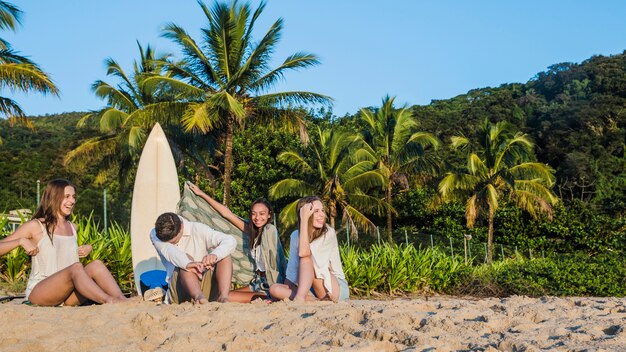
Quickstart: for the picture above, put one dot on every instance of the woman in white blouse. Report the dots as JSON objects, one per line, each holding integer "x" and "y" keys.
{"x": 314, "y": 261}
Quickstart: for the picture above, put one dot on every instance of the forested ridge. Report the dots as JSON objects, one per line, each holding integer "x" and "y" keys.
{"x": 574, "y": 113}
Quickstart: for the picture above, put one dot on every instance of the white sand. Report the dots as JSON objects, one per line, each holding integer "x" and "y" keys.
{"x": 436, "y": 324}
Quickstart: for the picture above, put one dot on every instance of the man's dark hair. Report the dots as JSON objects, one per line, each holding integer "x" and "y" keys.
{"x": 167, "y": 226}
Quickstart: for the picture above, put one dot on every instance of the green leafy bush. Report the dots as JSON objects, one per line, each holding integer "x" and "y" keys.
{"x": 397, "y": 269}
{"x": 566, "y": 275}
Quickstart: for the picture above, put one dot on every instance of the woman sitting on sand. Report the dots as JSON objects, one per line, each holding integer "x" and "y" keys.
{"x": 314, "y": 260}
{"x": 57, "y": 276}
{"x": 265, "y": 246}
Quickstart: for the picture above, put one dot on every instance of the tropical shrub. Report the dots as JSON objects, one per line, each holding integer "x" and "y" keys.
{"x": 397, "y": 269}
{"x": 566, "y": 275}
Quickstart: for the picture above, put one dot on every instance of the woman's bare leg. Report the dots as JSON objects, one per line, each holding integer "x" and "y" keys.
{"x": 287, "y": 290}
{"x": 58, "y": 287}
{"x": 322, "y": 293}
{"x": 306, "y": 276}
{"x": 281, "y": 291}
{"x": 244, "y": 297}
{"x": 102, "y": 276}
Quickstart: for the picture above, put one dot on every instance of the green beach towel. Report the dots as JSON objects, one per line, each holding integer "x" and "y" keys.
{"x": 194, "y": 208}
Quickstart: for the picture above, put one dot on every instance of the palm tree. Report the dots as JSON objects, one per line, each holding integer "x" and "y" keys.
{"x": 399, "y": 149}
{"x": 18, "y": 73}
{"x": 336, "y": 167}
{"x": 127, "y": 118}
{"x": 498, "y": 165}
{"x": 224, "y": 79}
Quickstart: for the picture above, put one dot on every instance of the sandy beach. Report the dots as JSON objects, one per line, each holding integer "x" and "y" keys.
{"x": 437, "y": 324}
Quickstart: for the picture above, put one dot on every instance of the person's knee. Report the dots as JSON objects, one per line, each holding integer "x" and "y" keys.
{"x": 95, "y": 266}
{"x": 273, "y": 290}
{"x": 277, "y": 291}
{"x": 76, "y": 268}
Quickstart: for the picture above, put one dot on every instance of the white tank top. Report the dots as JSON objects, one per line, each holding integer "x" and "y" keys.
{"x": 52, "y": 257}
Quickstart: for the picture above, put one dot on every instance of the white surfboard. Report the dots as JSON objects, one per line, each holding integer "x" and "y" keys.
{"x": 156, "y": 191}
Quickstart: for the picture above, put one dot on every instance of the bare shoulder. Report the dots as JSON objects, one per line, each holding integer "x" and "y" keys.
{"x": 29, "y": 229}
{"x": 33, "y": 225}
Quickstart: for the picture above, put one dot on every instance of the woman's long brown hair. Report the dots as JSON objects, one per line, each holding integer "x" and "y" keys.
{"x": 50, "y": 204}
{"x": 313, "y": 232}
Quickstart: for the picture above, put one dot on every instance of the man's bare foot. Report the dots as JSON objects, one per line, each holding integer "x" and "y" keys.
{"x": 200, "y": 299}
{"x": 223, "y": 299}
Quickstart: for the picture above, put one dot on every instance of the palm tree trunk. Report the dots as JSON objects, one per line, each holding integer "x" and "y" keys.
{"x": 228, "y": 160}
{"x": 333, "y": 213}
{"x": 389, "y": 224}
{"x": 490, "y": 237}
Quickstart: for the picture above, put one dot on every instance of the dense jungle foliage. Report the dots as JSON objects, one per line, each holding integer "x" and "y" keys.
{"x": 574, "y": 113}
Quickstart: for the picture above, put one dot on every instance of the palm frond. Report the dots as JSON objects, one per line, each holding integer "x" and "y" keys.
{"x": 175, "y": 86}
{"x": 10, "y": 16}
{"x": 25, "y": 78}
{"x": 472, "y": 209}
{"x": 289, "y": 99}
{"x": 197, "y": 117}
{"x": 10, "y": 108}
{"x": 293, "y": 62}
{"x": 94, "y": 149}
{"x": 288, "y": 216}
{"x": 21, "y": 120}
{"x": 115, "y": 97}
{"x": 295, "y": 161}
{"x": 290, "y": 188}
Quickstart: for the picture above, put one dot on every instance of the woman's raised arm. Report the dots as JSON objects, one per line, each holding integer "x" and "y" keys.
{"x": 304, "y": 246}
{"x": 221, "y": 208}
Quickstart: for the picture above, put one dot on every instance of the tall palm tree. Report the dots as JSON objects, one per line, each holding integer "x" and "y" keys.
{"x": 224, "y": 79}
{"x": 18, "y": 73}
{"x": 398, "y": 148}
{"x": 336, "y": 167}
{"x": 499, "y": 165}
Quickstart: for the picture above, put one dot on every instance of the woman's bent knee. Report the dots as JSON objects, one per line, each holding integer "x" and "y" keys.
{"x": 96, "y": 265}
{"x": 78, "y": 266}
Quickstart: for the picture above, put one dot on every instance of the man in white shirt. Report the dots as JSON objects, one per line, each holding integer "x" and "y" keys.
{"x": 191, "y": 252}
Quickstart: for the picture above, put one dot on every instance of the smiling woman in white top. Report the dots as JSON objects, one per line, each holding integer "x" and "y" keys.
{"x": 57, "y": 276}
{"x": 314, "y": 260}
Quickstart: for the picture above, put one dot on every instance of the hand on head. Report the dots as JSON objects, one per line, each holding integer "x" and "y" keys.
{"x": 306, "y": 211}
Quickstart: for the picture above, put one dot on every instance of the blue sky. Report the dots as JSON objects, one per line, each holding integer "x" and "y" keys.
{"x": 415, "y": 50}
